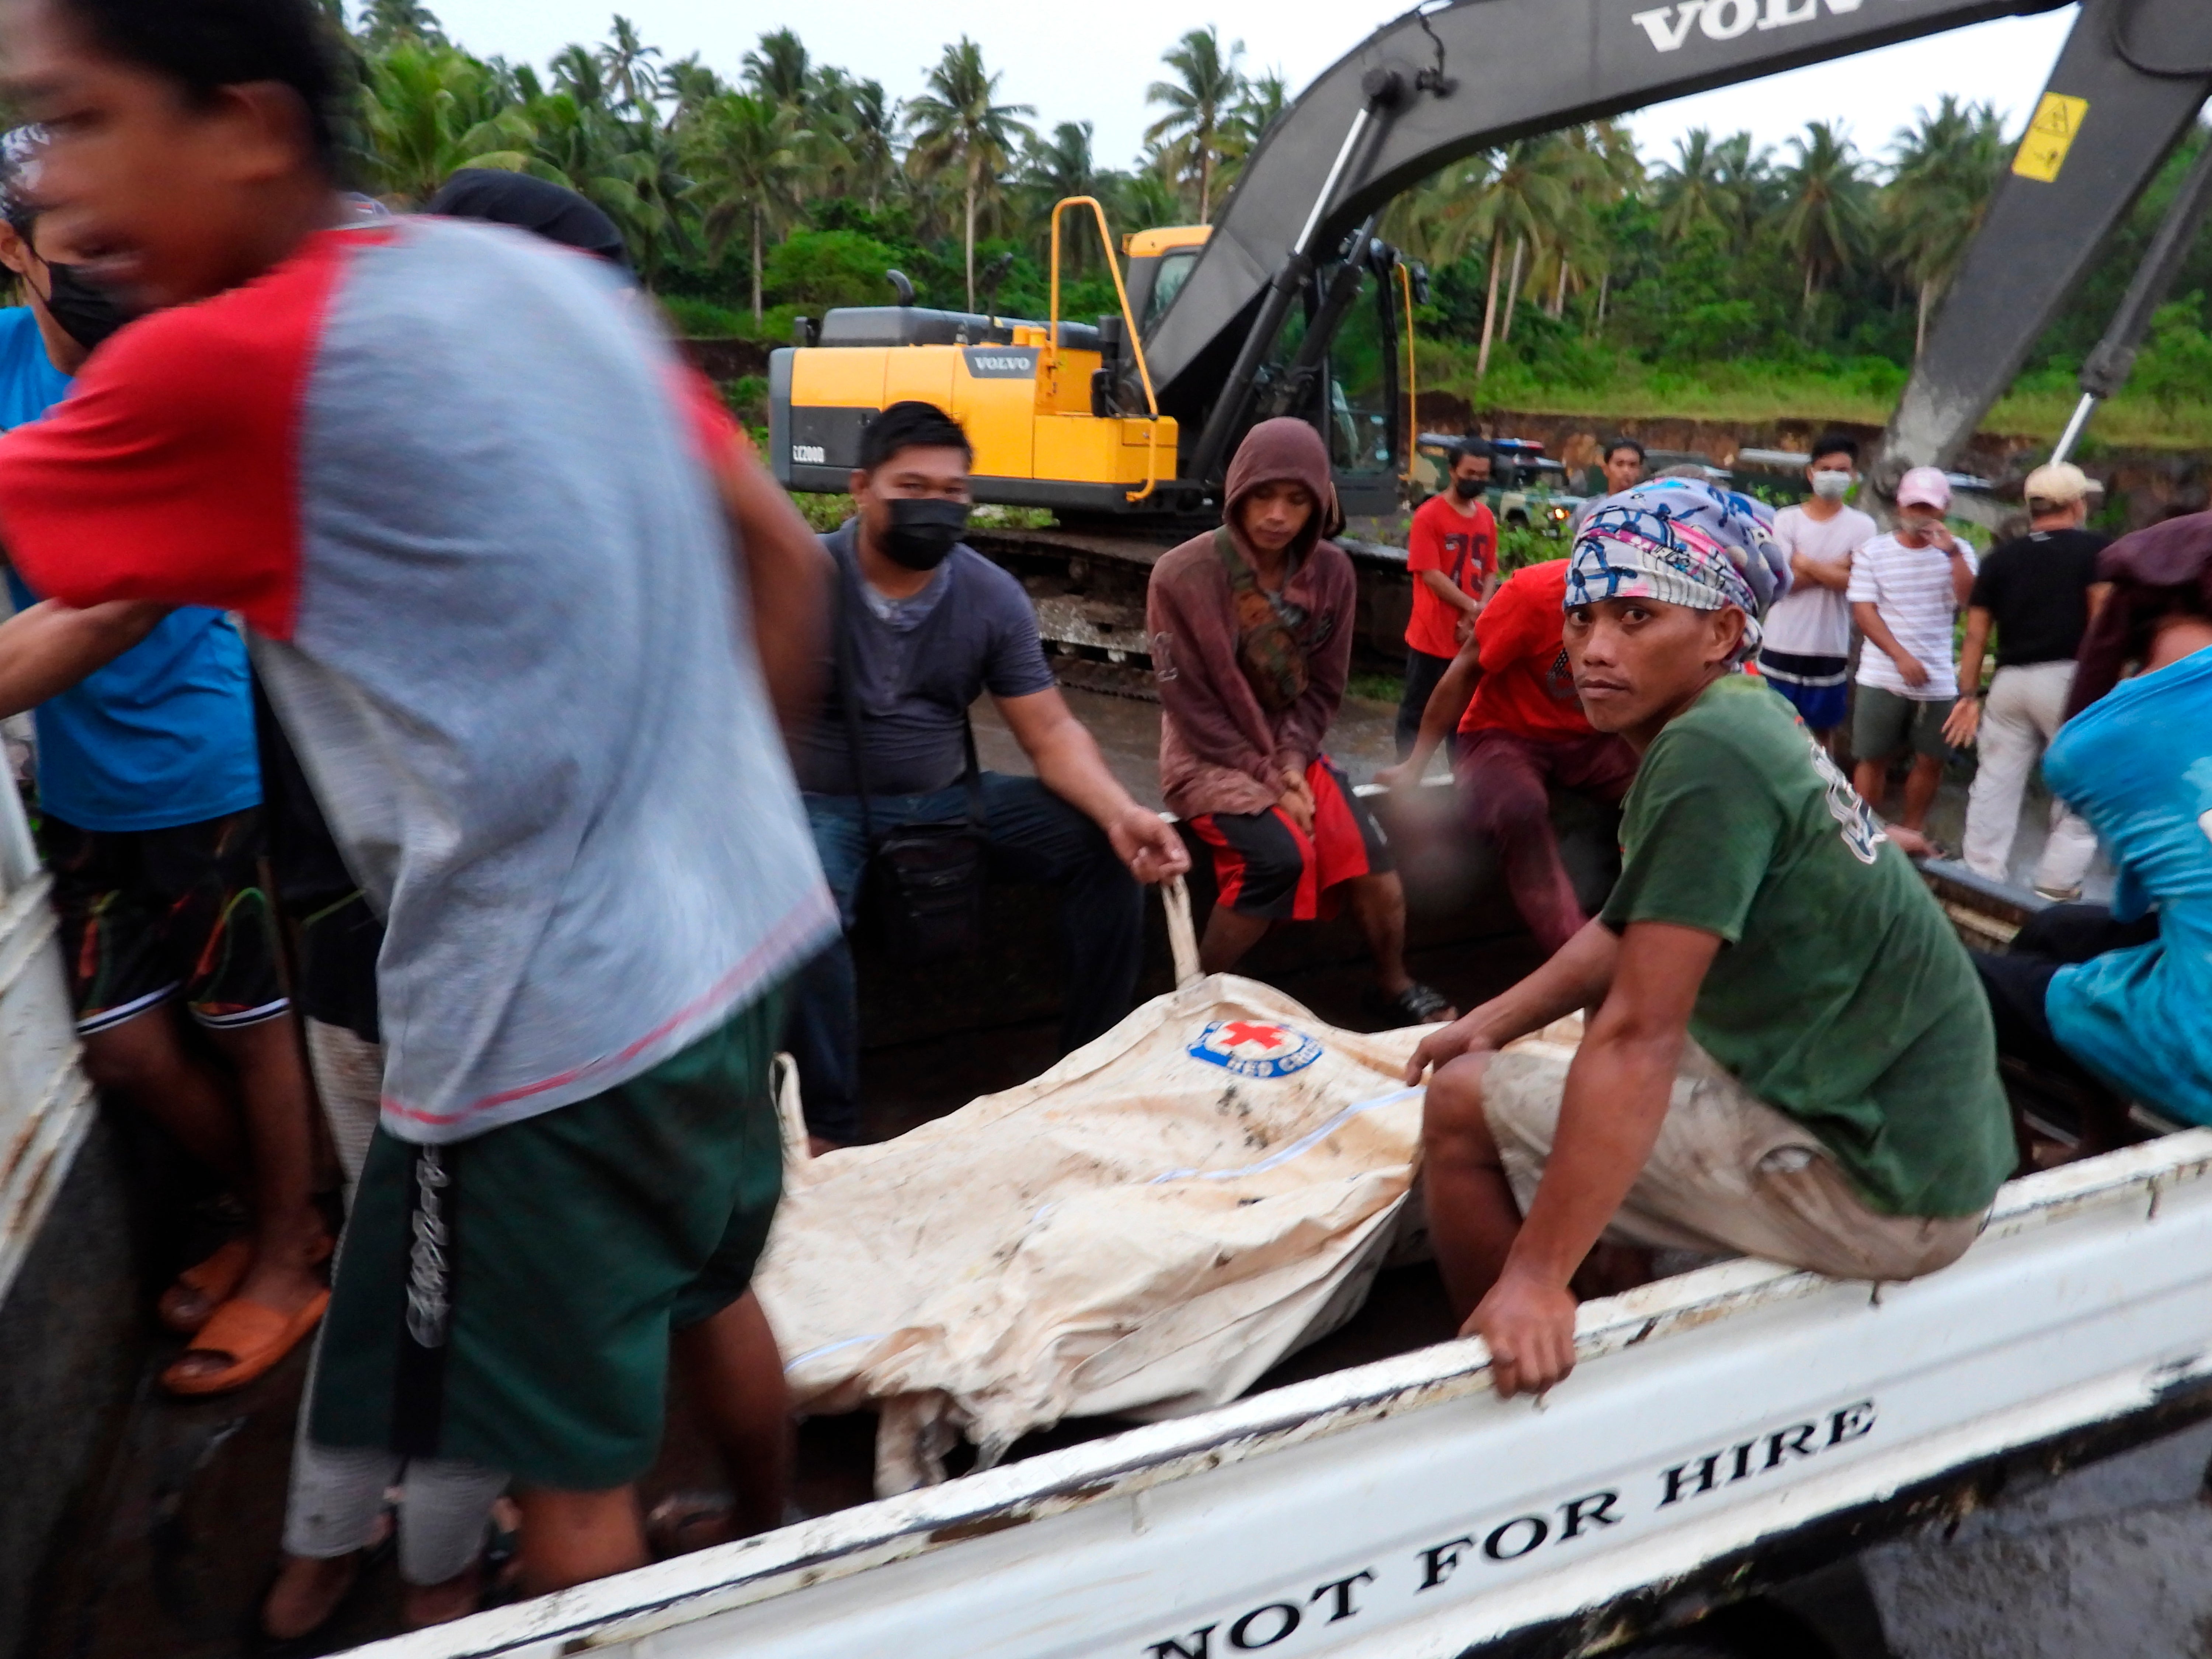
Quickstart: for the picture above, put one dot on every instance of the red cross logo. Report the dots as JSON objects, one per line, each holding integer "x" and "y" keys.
{"x": 1239, "y": 1032}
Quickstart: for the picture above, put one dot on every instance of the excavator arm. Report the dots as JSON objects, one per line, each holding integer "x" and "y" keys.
{"x": 2131, "y": 78}
{"x": 1439, "y": 84}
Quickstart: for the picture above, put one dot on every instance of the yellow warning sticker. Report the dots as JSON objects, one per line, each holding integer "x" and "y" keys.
{"x": 2050, "y": 136}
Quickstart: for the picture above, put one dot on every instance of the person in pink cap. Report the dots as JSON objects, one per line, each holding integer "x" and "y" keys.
{"x": 1905, "y": 592}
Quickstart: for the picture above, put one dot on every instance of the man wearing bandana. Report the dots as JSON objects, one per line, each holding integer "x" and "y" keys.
{"x": 1786, "y": 1054}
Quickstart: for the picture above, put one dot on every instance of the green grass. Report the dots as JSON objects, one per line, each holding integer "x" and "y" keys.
{"x": 1754, "y": 393}
{"x": 826, "y": 512}
{"x": 1377, "y": 688}
{"x": 702, "y": 319}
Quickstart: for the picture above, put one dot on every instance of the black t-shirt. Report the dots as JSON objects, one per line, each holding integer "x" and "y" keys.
{"x": 2037, "y": 588}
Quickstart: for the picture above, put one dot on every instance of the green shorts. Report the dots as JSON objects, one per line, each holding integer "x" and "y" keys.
{"x": 508, "y": 1299}
{"x": 1884, "y": 723}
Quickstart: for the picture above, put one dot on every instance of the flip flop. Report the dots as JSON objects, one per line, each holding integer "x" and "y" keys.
{"x": 216, "y": 1279}
{"x": 255, "y": 1337}
{"x": 1417, "y": 1004}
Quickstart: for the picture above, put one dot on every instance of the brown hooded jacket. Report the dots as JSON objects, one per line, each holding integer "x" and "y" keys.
{"x": 1221, "y": 750}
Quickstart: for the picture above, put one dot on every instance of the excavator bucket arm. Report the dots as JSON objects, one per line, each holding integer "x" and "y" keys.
{"x": 2132, "y": 76}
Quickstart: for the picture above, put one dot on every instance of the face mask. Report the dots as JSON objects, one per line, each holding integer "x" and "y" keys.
{"x": 924, "y": 532}
{"x": 87, "y": 313}
{"x": 1468, "y": 489}
{"x": 1832, "y": 486}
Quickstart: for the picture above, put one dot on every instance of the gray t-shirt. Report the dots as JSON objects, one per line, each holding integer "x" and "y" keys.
{"x": 919, "y": 664}
{"x": 517, "y": 671}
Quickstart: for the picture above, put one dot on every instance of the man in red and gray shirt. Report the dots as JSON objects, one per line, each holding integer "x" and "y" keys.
{"x": 452, "y": 484}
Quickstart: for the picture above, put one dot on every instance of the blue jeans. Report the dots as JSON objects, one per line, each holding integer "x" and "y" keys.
{"x": 1035, "y": 836}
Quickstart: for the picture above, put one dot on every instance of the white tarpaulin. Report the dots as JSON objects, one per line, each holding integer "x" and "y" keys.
{"x": 1141, "y": 1231}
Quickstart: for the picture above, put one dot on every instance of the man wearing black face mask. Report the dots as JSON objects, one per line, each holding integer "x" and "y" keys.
{"x": 929, "y": 625}
{"x": 1451, "y": 553}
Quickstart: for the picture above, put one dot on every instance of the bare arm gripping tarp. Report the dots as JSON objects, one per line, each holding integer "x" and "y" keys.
{"x": 2132, "y": 76}
{"x": 1490, "y": 71}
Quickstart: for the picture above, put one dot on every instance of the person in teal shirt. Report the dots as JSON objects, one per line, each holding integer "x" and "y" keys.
{"x": 2121, "y": 1000}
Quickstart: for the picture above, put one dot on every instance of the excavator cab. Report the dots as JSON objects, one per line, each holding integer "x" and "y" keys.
{"x": 1343, "y": 364}
{"x": 1066, "y": 415}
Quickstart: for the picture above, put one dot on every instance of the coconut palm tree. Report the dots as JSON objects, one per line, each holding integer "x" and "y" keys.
{"x": 385, "y": 23}
{"x": 1146, "y": 199}
{"x": 1689, "y": 191}
{"x": 960, "y": 129}
{"x": 742, "y": 153}
{"x": 426, "y": 110}
{"x": 1747, "y": 181}
{"x": 1709, "y": 185}
{"x": 578, "y": 73}
{"x": 1055, "y": 169}
{"x": 627, "y": 61}
{"x": 777, "y": 69}
{"x": 687, "y": 84}
{"x": 1826, "y": 218}
{"x": 1939, "y": 191}
{"x": 1199, "y": 101}
{"x": 867, "y": 125}
{"x": 1513, "y": 196}
{"x": 1262, "y": 104}
{"x": 1599, "y": 163}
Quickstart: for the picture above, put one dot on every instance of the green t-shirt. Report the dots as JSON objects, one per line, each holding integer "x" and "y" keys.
{"x": 1841, "y": 997}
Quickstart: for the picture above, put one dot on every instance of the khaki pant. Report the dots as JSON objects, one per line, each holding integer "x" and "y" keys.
{"x": 1729, "y": 1176}
{"x": 2025, "y": 708}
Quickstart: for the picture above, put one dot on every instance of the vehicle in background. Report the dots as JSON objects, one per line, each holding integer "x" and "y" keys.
{"x": 1656, "y": 461}
{"x": 1778, "y": 476}
{"x": 1528, "y": 489}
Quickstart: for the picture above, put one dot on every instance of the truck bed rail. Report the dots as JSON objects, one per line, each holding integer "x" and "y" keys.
{"x": 1402, "y": 1509}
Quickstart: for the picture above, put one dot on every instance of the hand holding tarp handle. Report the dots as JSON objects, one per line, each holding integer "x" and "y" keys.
{"x": 1182, "y": 933}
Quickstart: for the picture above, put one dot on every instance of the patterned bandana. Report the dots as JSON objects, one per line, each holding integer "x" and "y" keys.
{"x": 1681, "y": 541}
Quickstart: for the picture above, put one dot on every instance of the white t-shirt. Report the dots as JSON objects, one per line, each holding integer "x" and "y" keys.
{"x": 1809, "y": 619}
{"x": 1910, "y": 587}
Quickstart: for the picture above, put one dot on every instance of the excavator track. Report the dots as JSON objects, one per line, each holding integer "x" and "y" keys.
{"x": 1088, "y": 587}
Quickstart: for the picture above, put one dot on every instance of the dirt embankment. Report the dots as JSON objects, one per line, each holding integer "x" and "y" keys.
{"x": 2147, "y": 483}
{"x": 727, "y": 360}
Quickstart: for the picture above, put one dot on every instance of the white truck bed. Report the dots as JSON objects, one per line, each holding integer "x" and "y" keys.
{"x": 1400, "y": 1508}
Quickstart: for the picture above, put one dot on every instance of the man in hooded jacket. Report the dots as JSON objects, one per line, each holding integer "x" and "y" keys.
{"x": 1251, "y": 632}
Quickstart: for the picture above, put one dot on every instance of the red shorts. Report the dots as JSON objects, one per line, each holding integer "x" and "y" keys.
{"x": 1265, "y": 865}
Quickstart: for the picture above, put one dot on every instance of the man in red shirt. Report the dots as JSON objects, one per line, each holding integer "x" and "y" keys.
{"x": 1451, "y": 553}
{"x": 1511, "y": 694}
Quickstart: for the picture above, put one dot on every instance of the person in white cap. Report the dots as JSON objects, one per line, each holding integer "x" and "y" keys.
{"x": 2038, "y": 592}
{"x": 1905, "y": 592}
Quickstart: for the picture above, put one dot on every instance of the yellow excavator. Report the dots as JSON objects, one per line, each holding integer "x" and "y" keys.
{"x": 1064, "y": 414}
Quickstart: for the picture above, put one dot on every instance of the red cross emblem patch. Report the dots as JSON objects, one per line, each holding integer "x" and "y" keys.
{"x": 1253, "y": 1048}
